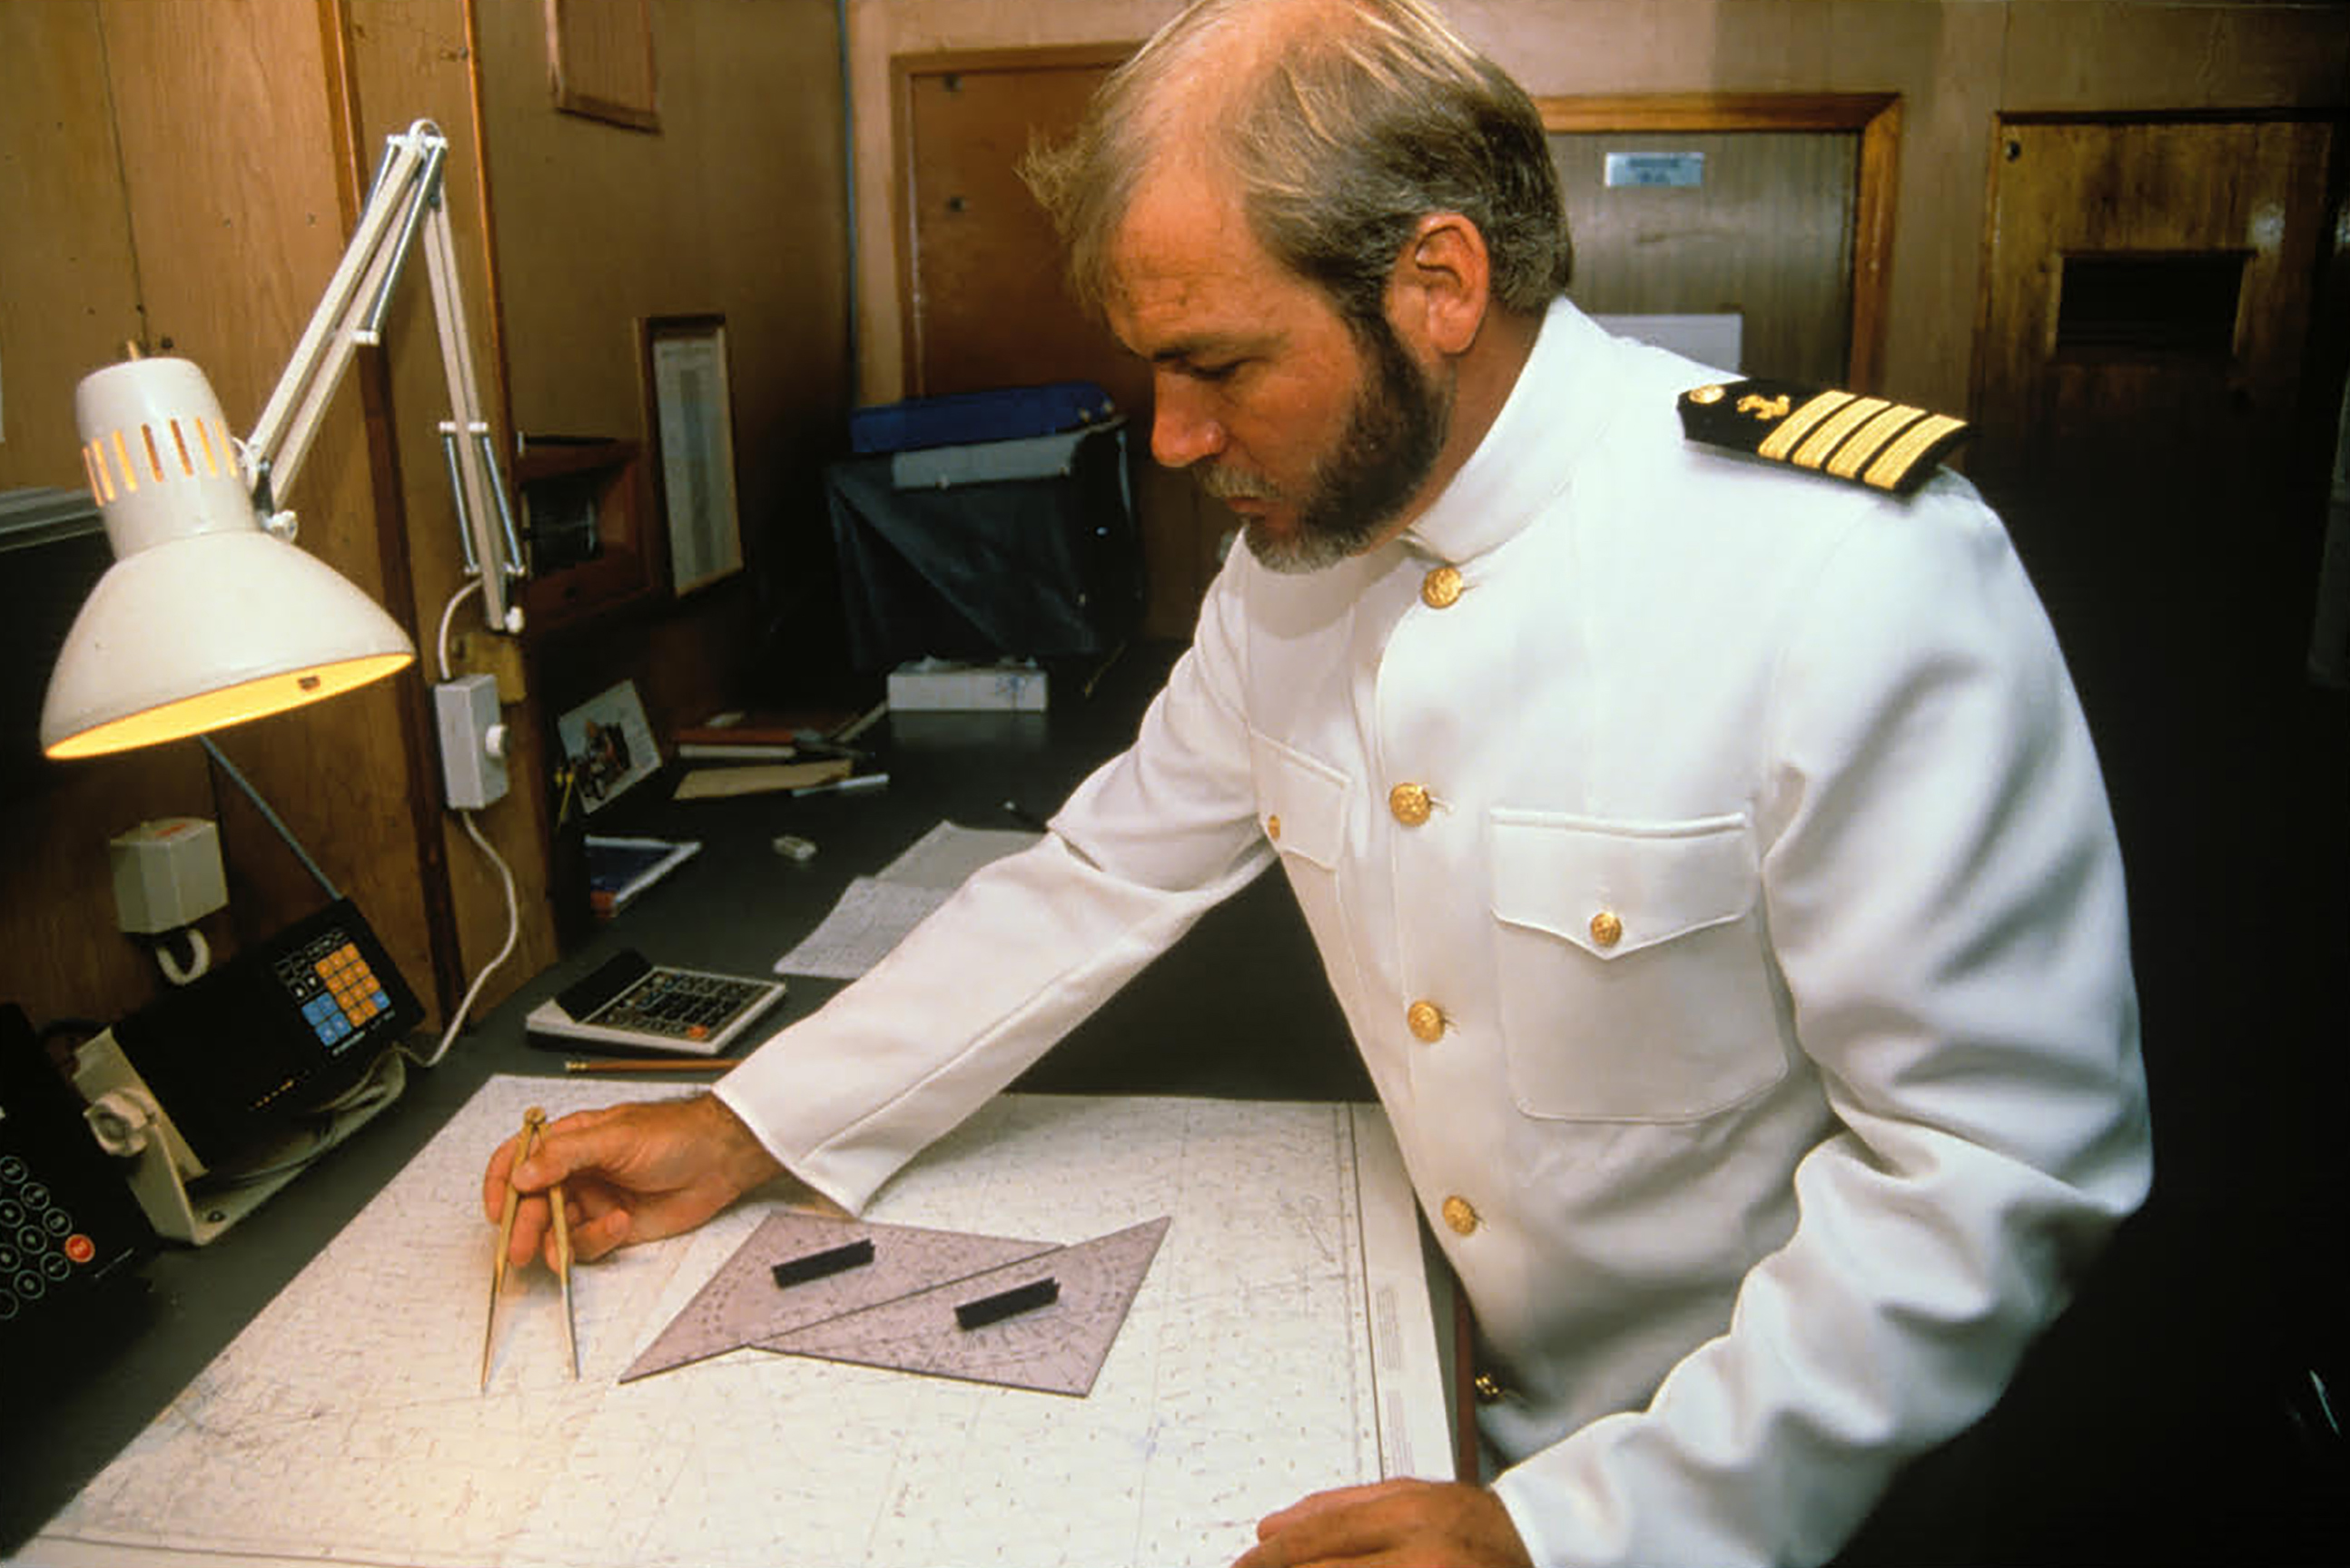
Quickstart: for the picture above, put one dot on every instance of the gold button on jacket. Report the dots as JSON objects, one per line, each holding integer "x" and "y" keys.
{"x": 1440, "y": 589}
{"x": 1273, "y": 827}
{"x": 1606, "y": 930}
{"x": 1409, "y": 803}
{"x": 1425, "y": 1019}
{"x": 1460, "y": 1215}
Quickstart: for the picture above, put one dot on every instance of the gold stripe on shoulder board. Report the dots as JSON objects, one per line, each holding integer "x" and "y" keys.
{"x": 1798, "y": 424}
{"x": 1869, "y": 439}
{"x": 1888, "y": 471}
{"x": 1825, "y": 439}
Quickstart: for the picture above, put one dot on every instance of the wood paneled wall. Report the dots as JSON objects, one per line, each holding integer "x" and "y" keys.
{"x": 216, "y": 137}
{"x": 1955, "y": 62}
{"x": 183, "y": 173}
{"x": 736, "y": 206}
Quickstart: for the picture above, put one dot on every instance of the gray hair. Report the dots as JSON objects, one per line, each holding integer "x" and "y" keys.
{"x": 1339, "y": 138}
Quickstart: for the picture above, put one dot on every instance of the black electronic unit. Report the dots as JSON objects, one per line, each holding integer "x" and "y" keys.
{"x": 67, "y": 1224}
{"x": 275, "y": 1034}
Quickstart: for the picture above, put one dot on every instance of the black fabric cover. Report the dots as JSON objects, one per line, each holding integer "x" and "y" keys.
{"x": 1036, "y": 568}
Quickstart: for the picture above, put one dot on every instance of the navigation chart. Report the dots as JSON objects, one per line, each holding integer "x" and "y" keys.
{"x": 1267, "y": 1352}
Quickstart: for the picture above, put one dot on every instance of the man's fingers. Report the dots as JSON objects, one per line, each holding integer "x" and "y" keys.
{"x": 572, "y": 1144}
{"x": 591, "y": 1239}
{"x": 530, "y": 1224}
{"x": 497, "y": 1179}
{"x": 1396, "y": 1521}
{"x": 1324, "y": 1502}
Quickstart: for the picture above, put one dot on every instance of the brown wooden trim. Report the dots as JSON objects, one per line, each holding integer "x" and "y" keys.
{"x": 904, "y": 69}
{"x": 1044, "y": 57}
{"x": 1878, "y": 190}
{"x": 1710, "y": 111}
{"x": 371, "y": 376}
{"x": 1876, "y": 116}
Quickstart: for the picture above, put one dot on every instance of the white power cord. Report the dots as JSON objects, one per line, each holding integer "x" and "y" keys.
{"x": 505, "y": 876}
{"x": 199, "y": 959}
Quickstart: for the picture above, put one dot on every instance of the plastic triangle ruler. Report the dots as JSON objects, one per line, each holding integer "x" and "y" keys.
{"x": 742, "y": 1305}
{"x": 1056, "y": 1348}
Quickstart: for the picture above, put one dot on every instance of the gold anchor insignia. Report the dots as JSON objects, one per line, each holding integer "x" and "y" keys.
{"x": 1763, "y": 408}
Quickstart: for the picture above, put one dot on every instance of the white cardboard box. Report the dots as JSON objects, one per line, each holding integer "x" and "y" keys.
{"x": 936, "y": 686}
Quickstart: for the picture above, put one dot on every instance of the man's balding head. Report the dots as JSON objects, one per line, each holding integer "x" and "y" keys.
{"x": 1339, "y": 125}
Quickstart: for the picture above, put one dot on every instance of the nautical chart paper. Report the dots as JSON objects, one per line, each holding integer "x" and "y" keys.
{"x": 1270, "y": 1352}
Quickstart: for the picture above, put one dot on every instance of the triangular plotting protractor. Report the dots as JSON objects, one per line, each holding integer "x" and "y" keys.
{"x": 1056, "y": 1349}
{"x": 742, "y": 1304}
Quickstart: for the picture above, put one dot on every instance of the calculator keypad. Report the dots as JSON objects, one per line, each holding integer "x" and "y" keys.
{"x": 40, "y": 1243}
{"x": 332, "y": 983}
{"x": 684, "y": 1006}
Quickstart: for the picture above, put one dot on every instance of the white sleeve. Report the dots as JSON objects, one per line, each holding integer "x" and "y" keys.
{"x": 1025, "y": 948}
{"x": 1945, "y": 899}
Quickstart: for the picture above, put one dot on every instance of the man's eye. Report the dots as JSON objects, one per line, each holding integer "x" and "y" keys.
{"x": 1222, "y": 370}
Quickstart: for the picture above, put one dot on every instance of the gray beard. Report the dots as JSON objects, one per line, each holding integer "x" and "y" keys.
{"x": 1393, "y": 434}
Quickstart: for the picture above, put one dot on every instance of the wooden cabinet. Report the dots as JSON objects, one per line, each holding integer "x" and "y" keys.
{"x": 584, "y": 515}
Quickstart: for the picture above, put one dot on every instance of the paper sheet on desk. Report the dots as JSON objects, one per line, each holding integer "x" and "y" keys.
{"x": 871, "y": 918}
{"x": 875, "y": 913}
{"x": 944, "y": 856}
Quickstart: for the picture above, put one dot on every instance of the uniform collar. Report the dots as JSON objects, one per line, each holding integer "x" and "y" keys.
{"x": 1553, "y": 416}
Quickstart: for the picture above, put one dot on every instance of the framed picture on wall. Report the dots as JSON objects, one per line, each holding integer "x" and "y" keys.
{"x": 599, "y": 56}
{"x": 691, "y": 415}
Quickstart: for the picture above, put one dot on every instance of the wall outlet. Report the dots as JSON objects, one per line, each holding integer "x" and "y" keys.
{"x": 473, "y": 741}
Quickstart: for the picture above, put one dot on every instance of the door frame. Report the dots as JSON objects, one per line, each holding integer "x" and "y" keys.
{"x": 1875, "y": 116}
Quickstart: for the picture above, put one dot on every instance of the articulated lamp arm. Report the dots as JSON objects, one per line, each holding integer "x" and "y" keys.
{"x": 404, "y": 204}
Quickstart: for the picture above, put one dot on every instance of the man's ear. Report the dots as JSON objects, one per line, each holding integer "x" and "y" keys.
{"x": 1442, "y": 285}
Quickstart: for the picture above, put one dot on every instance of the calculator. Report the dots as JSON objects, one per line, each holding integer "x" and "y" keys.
{"x": 630, "y": 1004}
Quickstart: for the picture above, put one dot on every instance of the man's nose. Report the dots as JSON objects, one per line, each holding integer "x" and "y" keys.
{"x": 1181, "y": 431}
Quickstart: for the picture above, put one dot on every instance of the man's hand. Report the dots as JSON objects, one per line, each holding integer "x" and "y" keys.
{"x": 1392, "y": 1524}
{"x": 631, "y": 1173}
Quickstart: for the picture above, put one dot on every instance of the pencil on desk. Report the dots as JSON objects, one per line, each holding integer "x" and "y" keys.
{"x": 647, "y": 1065}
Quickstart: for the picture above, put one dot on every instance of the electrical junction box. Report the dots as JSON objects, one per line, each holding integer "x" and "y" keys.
{"x": 473, "y": 741}
{"x": 167, "y": 873}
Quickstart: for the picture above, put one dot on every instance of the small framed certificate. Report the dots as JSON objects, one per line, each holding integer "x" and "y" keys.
{"x": 691, "y": 413}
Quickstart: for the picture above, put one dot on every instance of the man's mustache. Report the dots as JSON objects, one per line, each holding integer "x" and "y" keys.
{"x": 1235, "y": 484}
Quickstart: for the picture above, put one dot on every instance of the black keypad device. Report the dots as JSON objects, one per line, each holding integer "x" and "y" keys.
{"x": 67, "y": 1224}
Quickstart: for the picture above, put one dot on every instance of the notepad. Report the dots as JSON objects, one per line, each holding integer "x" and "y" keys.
{"x": 620, "y": 869}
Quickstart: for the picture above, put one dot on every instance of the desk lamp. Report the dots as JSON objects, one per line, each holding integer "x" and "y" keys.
{"x": 210, "y": 616}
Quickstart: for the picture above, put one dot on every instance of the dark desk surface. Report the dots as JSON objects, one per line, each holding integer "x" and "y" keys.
{"x": 1194, "y": 1024}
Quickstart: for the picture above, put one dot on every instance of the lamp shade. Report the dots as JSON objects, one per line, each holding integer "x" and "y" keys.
{"x": 205, "y": 618}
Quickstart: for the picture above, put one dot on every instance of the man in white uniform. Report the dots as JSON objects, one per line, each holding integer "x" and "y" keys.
{"x": 1710, "y": 858}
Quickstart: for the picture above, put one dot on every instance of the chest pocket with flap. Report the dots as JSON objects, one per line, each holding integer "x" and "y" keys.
{"x": 1632, "y": 981}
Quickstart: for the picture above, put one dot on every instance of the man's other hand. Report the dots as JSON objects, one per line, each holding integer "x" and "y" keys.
{"x": 1392, "y": 1524}
{"x": 629, "y": 1173}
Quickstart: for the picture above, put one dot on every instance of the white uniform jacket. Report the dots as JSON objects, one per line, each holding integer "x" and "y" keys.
{"x": 1712, "y": 865}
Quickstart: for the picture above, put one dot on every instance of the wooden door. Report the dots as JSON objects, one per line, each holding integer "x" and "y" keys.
{"x": 2154, "y": 393}
{"x": 981, "y": 277}
{"x": 1776, "y": 208}
{"x": 2142, "y": 390}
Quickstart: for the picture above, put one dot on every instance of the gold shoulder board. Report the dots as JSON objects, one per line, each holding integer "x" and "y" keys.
{"x": 1884, "y": 445}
